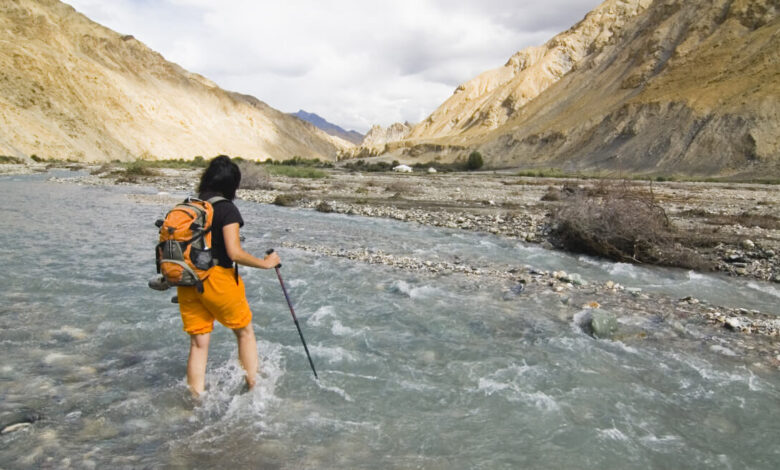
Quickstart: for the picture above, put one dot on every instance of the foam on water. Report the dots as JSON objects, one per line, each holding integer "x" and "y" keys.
{"x": 416, "y": 370}
{"x": 320, "y": 315}
{"x": 340, "y": 330}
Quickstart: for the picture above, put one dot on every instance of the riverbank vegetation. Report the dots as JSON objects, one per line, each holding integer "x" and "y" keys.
{"x": 622, "y": 222}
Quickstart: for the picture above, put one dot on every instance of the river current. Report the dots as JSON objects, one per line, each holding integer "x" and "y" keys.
{"x": 416, "y": 370}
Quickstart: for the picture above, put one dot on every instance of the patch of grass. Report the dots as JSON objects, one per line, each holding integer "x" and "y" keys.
{"x": 300, "y": 161}
{"x": 7, "y": 159}
{"x": 141, "y": 168}
{"x": 295, "y": 171}
{"x": 361, "y": 165}
{"x": 547, "y": 173}
{"x": 177, "y": 163}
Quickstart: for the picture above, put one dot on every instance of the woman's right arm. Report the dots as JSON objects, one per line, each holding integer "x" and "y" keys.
{"x": 240, "y": 256}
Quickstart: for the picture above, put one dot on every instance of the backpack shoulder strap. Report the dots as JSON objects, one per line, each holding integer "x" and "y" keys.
{"x": 216, "y": 199}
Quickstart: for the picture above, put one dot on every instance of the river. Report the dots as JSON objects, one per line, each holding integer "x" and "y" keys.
{"x": 416, "y": 370}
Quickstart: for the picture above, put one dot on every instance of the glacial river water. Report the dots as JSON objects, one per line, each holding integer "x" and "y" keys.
{"x": 416, "y": 370}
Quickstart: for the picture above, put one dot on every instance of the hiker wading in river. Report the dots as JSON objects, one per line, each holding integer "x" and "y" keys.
{"x": 224, "y": 297}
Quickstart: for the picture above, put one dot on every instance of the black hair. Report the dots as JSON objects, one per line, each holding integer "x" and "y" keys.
{"x": 221, "y": 176}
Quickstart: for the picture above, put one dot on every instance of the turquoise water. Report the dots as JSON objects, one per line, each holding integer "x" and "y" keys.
{"x": 416, "y": 371}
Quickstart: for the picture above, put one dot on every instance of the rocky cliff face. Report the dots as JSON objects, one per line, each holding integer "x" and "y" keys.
{"x": 70, "y": 88}
{"x": 662, "y": 86}
{"x": 378, "y": 137}
{"x": 489, "y": 100}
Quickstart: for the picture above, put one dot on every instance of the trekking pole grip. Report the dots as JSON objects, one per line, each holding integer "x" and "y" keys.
{"x": 271, "y": 250}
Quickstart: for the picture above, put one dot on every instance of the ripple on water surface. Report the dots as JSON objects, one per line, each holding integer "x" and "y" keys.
{"x": 415, "y": 370}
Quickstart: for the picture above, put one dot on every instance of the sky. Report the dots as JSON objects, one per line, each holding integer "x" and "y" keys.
{"x": 354, "y": 62}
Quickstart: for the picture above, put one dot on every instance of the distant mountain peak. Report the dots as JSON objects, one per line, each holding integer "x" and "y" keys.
{"x": 330, "y": 128}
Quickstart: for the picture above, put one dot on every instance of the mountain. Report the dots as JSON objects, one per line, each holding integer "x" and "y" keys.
{"x": 646, "y": 86}
{"x": 353, "y": 137}
{"x": 378, "y": 137}
{"x": 70, "y": 88}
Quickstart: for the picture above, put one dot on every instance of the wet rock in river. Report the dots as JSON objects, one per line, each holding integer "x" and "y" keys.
{"x": 603, "y": 324}
{"x": 597, "y": 323}
{"x": 514, "y": 291}
{"x": 18, "y": 421}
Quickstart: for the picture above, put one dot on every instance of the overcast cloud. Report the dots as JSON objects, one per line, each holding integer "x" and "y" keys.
{"x": 355, "y": 63}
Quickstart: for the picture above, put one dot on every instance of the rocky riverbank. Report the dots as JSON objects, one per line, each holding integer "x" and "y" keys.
{"x": 516, "y": 207}
{"x": 592, "y": 305}
{"x": 733, "y": 228}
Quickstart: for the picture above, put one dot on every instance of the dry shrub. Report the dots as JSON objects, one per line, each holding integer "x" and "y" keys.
{"x": 402, "y": 187}
{"x": 287, "y": 200}
{"x": 102, "y": 169}
{"x": 552, "y": 194}
{"x": 622, "y": 223}
{"x": 746, "y": 219}
{"x": 254, "y": 176}
{"x": 325, "y": 207}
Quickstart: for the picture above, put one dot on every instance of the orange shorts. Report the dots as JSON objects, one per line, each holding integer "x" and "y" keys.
{"x": 222, "y": 300}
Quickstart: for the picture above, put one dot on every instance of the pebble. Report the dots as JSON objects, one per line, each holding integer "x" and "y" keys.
{"x": 15, "y": 427}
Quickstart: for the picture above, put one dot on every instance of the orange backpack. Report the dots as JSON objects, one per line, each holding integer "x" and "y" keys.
{"x": 184, "y": 254}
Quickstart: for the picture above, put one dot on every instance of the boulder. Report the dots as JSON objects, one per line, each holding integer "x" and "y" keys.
{"x": 603, "y": 324}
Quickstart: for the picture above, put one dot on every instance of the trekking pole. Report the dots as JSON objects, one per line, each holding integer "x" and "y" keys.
{"x": 295, "y": 319}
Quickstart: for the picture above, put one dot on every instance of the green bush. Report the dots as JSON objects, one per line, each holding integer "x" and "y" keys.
{"x": 475, "y": 161}
{"x": 141, "y": 168}
{"x": 300, "y": 161}
{"x": 361, "y": 165}
{"x": 9, "y": 159}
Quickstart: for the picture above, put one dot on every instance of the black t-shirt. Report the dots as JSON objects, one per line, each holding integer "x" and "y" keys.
{"x": 225, "y": 213}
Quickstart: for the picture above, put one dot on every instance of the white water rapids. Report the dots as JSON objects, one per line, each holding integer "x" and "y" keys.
{"x": 416, "y": 370}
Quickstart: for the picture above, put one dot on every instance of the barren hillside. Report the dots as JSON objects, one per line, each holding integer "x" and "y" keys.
{"x": 651, "y": 86}
{"x": 70, "y": 88}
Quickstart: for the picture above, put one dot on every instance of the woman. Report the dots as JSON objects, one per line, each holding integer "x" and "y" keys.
{"x": 223, "y": 297}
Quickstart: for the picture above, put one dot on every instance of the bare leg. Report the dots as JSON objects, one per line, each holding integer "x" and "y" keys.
{"x": 247, "y": 352}
{"x": 196, "y": 363}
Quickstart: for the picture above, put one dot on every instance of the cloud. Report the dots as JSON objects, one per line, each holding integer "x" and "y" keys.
{"x": 356, "y": 63}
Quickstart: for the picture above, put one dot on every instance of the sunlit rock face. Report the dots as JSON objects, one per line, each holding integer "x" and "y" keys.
{"x": 665, "y": 86}
{"x": 72, "y": 89}
{"x": 378, "y": 137}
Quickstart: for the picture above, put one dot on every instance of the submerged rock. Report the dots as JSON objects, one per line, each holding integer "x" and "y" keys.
{"x": 19, "y": 421}
{"x": 514, "y": 291}
{"x": 603, "y": 324}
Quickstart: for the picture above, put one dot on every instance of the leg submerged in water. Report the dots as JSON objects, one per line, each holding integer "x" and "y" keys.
{"x": 196, "y": 363}
{"x": 247, "y": 352}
